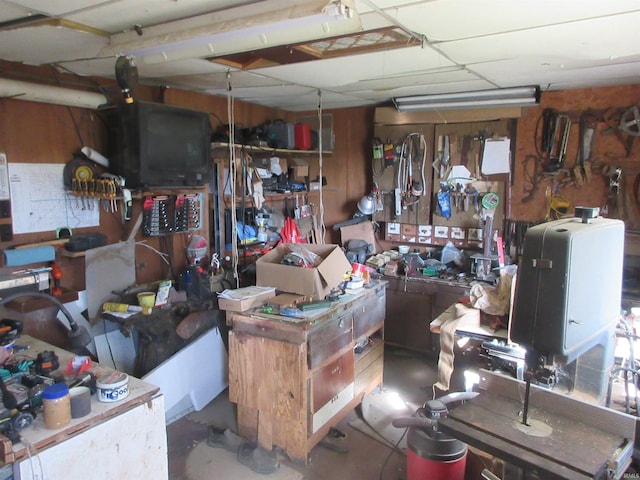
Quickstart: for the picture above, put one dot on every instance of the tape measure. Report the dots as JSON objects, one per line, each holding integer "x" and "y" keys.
{"x": 78, "y": 169}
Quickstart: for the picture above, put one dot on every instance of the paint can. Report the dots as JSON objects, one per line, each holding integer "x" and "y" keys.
{"x": 112, "y": 387}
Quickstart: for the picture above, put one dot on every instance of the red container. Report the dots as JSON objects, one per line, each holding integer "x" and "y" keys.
{"x": 433, "y": 455}
{"x": 419, "y": 468}
{"x": 303, "y": 136}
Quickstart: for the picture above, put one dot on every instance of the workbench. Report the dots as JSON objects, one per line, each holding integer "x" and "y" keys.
{"x": 294, "y": 378}
{"x": 123, "y": 439}
{"x": 413, "y": 302}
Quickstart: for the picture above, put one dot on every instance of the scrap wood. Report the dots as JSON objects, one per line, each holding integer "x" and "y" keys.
{"x": 6, "y": 450}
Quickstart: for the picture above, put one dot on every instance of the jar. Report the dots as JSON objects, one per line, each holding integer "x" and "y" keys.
{"x": 57, "y": 406}
{"x": 112, "y": 387}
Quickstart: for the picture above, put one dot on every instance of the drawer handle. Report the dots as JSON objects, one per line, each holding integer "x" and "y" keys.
{"x": 341, "y": 323}
{"x": 335, "y": 370}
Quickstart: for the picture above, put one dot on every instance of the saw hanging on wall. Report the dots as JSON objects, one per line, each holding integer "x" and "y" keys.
{"x": 409, "y": 186}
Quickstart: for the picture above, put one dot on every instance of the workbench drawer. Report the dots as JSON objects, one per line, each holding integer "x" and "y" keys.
{"x": 369, "y": 317}
{"x": 329, "y": 338}
{"x": 328, "y": 381}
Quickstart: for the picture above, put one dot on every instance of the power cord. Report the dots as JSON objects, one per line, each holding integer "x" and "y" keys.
{"x": 393, "y": 450}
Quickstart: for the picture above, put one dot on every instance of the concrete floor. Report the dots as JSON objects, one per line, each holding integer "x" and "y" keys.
{"x": 409, "y": 374}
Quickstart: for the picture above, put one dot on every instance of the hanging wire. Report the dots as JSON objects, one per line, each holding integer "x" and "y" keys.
{"x": 232, "y": 177}
{"x": 320, "y": 161}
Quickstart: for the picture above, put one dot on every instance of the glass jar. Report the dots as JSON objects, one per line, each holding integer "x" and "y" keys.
{"x": 56, "y": 403}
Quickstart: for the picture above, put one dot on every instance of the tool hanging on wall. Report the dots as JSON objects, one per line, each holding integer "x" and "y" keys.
{"x": 582, "y": 170}
{"x": 613, "y": 207}
{"x": 625, "y": 124}
{"x": 441, "y": 165}
{"x": 555, "y": 136}
{"x": 409, "y": 189}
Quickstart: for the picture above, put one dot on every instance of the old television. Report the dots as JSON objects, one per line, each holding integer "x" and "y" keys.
{"x": 158, "y": 145}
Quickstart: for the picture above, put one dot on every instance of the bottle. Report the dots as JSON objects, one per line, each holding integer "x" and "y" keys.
{"x": 56, "y": 404}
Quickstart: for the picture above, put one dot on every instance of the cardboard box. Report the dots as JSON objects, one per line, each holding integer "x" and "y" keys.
{"x": 298, "y": 169}
{"x": 287, "y": 299}
{"x": 242, "y": 299}
{"x": 314, "y": 283}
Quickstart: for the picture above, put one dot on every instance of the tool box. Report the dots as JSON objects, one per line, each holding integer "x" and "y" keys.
{"x": 282, "y": 135}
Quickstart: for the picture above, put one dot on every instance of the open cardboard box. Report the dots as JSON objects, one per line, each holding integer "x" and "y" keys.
{"x": 314, "y": 283}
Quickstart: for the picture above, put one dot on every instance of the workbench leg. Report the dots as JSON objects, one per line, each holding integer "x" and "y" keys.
{"x": 248, "y": 423}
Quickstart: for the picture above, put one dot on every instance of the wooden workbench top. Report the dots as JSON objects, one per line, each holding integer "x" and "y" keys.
{"x": 37, "y": 437}
{"x": 309, "y": 319}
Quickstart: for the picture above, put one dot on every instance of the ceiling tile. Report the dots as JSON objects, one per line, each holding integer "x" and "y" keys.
{"x": 55, "y": 43}
{"x": 442, "y": 20}
{"x": 10, "y": 11}
{"x": 337, "y": 72}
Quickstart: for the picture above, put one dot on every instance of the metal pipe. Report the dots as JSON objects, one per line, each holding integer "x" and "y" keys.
{"x": 34, "y": 92}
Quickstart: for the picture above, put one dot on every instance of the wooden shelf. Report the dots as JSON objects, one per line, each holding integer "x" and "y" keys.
{"x": 279, "y": 196}
{"x": 254, "y": 148}
{"x": 28, "y": 303}
{"x": 63, "y": 252}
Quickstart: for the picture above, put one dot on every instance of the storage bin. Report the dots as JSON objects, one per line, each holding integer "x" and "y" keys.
{"x": 303, "y": 136}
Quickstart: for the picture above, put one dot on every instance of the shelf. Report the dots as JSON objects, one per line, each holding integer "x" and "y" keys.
{"x": 63, "y": 252}
{"x": 28, "y": 303}
{"x": 279, "y": 196}
{"x": 254, "y": 148}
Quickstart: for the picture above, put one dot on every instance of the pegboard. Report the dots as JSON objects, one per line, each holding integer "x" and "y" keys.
{"x": 466, "y": 141}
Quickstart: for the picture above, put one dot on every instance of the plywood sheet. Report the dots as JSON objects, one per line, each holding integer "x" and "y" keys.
{"x": 362, "y": 231}
{"x": 108, "y": 269}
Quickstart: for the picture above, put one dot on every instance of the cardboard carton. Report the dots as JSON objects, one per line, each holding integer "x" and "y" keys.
{"x": 242, "y": 299}
{"x": 314, "y": 283}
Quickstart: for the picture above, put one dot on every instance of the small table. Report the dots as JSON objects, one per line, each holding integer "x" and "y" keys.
{"x": 473, "y": 330}
{"x": 124, "y": 439}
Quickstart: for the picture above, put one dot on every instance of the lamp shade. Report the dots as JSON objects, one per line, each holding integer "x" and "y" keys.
{"x": 367, "y": 205}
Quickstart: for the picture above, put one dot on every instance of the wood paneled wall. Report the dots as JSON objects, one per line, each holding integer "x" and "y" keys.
{"x": 41, "y": 133}
{"x": 607, "y": 150}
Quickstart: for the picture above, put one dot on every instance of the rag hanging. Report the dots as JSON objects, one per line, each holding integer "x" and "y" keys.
{"x": 290, "y": 232}
{"x": 447, "y": 341}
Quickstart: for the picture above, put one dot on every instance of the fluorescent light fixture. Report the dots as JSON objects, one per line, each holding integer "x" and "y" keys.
{"x": 36, "y": 92}
{"x": 502, "y": 97}
{"x": 264, "y": 24}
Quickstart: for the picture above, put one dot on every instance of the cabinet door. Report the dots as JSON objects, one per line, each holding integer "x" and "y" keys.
{"x": 369, "y": 316}
{"x": 331, "y": 379}
{"x": 446, "y": 296}
{"x": 406, "y": 323}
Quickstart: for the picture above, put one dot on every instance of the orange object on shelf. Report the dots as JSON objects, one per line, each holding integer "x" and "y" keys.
{"x": 56, "y": 275}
